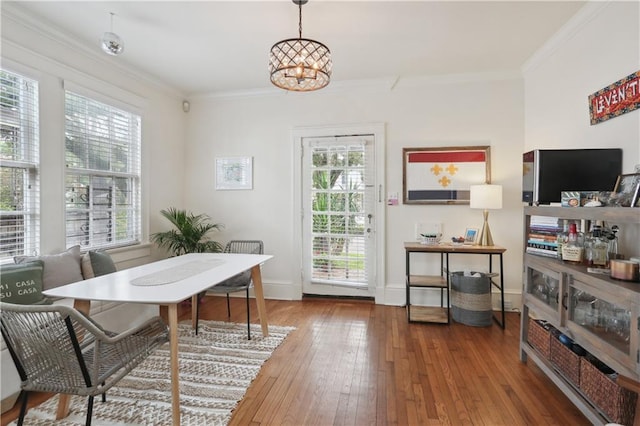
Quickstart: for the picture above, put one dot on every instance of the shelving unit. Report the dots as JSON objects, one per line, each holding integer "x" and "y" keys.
{"x": 427, "y": 313}
{"x": 569, "y": 285}
{"x": 441, "y": 314}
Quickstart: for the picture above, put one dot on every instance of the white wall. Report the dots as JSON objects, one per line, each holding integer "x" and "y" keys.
{"x": 458, "y": 111}
{"x": 31, "y": 49}
{"x": 598, "y": 47}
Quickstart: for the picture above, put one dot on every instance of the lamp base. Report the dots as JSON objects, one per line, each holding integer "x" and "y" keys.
{"x": 485, "y": 235}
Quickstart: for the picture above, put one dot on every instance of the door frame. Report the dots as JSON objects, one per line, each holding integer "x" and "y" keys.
{"x": 378, "y": 132}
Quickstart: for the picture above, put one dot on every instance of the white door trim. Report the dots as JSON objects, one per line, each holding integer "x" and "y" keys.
{"x": 378, "y": 131}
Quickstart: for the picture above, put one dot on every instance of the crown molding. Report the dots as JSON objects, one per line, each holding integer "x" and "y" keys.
{"x": 585, "y": 15}
{"x": 344, "y": 86}
{"x": 386, "y": 84}
{"x": 427, "y": 80}
{"x": 12, "y": 12}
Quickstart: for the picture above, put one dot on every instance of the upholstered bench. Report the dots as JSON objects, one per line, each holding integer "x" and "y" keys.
{"x": 24, "y": 281}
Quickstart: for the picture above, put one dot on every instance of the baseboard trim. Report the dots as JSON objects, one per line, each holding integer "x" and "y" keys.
{"x": 326, "y": 296}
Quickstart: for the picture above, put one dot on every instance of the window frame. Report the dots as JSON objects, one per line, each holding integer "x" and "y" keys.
{"x": 27, "y": 121}
{"x": 132, "y": 176}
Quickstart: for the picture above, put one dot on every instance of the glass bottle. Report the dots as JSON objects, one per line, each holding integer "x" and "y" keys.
{"x": 587, "y": 245}
{"x": 613, "y": 242}
{"x": 572, "y": 250}
{"x": 599, "y": 249}
{"x": 561, "y": 237}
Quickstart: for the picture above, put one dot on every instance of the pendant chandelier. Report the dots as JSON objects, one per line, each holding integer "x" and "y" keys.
{"x": 110, "y": 42}
{"x": 300, "y": 64}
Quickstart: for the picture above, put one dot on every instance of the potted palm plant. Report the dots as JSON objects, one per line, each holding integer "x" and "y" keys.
{"x": 190, "y": 234}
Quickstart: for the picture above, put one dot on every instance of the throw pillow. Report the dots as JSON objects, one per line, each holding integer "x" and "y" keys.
{"x": 97, "y": 263}
{"x": 22, "y": 284}
{"x": 59, "y": 269}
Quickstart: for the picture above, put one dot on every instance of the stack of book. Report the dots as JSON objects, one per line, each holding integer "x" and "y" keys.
{"x": 543, "y": 235}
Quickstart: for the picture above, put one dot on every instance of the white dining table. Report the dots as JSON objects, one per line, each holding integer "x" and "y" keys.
{"x": 167, "y": 283}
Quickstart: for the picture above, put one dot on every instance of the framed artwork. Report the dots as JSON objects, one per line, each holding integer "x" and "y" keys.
{"x": 234, "y": 173}
{"x": 470, "y": 235}
{"x": 627, "y": 190}
{"x": 443, "y": 175}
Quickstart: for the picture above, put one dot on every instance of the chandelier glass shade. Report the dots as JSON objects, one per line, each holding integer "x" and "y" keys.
{"x": 111, "y": 43}
{"x": 300, "y": 64}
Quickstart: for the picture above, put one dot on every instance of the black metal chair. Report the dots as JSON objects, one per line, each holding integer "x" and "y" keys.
{"x": 58, "y": 349}
{"x": 240, "y": 282}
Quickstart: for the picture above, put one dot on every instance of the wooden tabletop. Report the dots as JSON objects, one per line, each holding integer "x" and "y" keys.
{"x": 453, "y": 248}
{"x": 118, "y": 287}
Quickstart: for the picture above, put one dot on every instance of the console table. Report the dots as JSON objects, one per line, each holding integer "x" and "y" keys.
{"x": 442, "y": 281}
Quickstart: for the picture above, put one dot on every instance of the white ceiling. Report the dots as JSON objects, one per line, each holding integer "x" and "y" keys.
{"x": 205, "y": 47}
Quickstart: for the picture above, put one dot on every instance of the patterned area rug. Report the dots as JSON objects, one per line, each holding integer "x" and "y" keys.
{"x": 216, "y": 368}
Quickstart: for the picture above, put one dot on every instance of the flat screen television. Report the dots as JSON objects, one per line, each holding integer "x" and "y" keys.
{"x": 548, "y": 172}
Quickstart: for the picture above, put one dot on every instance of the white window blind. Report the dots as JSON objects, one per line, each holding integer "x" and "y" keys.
{"x": 103, "y": 207}
{"x": 339, "y": 209}
{"x": 19, "y": 196}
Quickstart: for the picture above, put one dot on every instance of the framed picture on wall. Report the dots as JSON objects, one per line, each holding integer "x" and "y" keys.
{"x": 234, "y": 173}
{"x": 443, "y": 175}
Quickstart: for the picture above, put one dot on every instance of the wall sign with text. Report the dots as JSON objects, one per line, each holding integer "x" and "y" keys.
{"x": 616, "y": 99}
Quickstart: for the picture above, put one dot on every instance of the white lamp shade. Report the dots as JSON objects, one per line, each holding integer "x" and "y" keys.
{"x": 486, "y": 196}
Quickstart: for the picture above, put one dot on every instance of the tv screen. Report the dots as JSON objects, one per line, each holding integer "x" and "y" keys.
{"x": 549, "y": 172}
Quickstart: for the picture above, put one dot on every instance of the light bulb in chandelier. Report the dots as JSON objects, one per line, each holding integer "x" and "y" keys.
{"x": 111, "y": 43}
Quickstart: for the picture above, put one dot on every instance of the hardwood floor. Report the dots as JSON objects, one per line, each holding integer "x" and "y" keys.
{"x": 354, "y": 363}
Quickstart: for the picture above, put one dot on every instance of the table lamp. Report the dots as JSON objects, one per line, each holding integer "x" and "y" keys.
{"x": 485, "y": 197}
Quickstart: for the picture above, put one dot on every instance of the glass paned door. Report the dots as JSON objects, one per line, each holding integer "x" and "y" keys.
{"x": 338, "y": 202}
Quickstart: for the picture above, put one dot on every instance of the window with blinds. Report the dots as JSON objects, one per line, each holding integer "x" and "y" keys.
{"x": 103, "y": 207}
{"x": 19, "y": 189}
{"x": 339, "y": 212}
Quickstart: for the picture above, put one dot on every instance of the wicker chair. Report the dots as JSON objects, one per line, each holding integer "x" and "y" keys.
{"x": 240, "y": 282}
{"x": 57, "y": 349}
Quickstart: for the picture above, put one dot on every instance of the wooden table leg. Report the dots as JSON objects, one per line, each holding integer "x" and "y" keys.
{"x": 175, "y": 384}
{"x": 194, "y": 310}
{"x": 256, "y": 276}
{"x": 65, "y": 400}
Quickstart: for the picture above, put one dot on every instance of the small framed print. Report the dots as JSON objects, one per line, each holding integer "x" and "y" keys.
{"x": 234, "y": 173}
{"x": 470, "y": 235}
{"x": 627, "y": 190}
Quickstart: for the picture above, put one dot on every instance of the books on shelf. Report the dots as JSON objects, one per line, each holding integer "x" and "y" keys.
{"x": 542, "y": 252}
{"x": 544, "y": 224}
{"x": 542, "y": 236}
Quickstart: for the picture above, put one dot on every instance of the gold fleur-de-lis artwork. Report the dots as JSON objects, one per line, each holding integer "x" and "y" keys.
{"x": 443, "y": 175}
{"x": 444, "y": 181}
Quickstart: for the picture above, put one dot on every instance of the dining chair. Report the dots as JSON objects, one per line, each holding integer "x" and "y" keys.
{"x": 57, "y": 349}
{"x": 239, "y": 282}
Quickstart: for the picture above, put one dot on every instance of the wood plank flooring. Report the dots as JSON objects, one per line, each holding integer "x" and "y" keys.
{"x": 353, "y": 362}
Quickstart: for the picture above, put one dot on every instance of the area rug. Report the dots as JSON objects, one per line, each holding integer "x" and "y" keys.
{"x": 216, "y": 368}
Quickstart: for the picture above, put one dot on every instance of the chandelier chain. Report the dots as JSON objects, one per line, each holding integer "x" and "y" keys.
{"x": 300, "y": 20}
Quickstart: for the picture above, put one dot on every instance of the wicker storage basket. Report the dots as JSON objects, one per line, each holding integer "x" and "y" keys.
{"x": 471, "y": 299}
{"x": 539, "y": 338}
{"x": 566, "y": 361}
{"x": 617, "y": 403}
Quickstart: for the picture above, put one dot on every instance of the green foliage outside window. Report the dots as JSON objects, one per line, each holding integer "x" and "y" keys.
{"x": 337, "y": 187}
